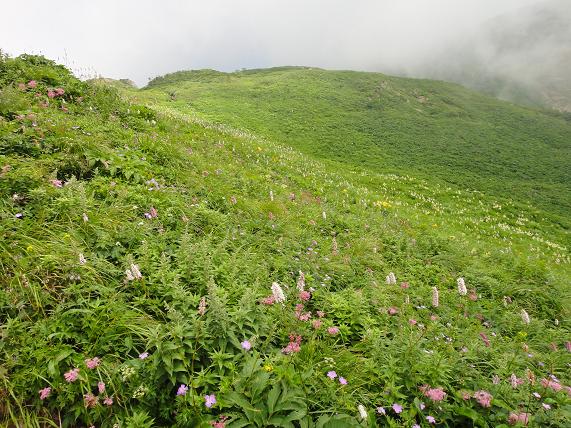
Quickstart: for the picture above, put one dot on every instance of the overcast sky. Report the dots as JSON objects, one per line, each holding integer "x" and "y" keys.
{"x": 138, "y": 39}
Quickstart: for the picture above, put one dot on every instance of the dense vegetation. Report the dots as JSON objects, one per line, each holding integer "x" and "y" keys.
{"x": 423, "y": 128}
{"x": 158, "y": 269}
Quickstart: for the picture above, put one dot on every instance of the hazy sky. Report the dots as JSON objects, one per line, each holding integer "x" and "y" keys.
{"x": 141, "y": 39}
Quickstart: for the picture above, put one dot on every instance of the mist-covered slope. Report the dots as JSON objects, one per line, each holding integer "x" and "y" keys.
{"x": 524, "y": 57}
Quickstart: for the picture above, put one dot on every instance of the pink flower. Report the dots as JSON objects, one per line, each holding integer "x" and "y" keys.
{"x": 202, "y": 306}
{"x": 182, "y": 390}
{"x": 305, "y": 295}
{"x": 101, "y": 387}
{"x": 320, "y": 314}
{"x": 143, "y": 355}
{"x": 397, "y": 408}
{"x": 548, "y": 383}
{"x": 60, "y": 91}
{"x": 316, "y": 324}
{"x": 90, "y": 400}
{"x": 56, "y": 183}
{"x": 546, "y": 406}
{"x": 431, "y": 419}
{"x": 514, "y": 381}
{"x": 381, "y": 410}
{"x": 51, "y": 94}
{"x": 434, "y": 317}
{"x": 209, "y": 400}
{"x": 485, "y": 339}
{"x": 568, "y": 346}
{"x": 333, "y": 330}
{"x": 246, "y": 345}
{"x": 45, "y": 393}
{"x": 72, "y": 375}
{"x": 21, "y": 86}
{"x": 331, "y": 374}
{"x": 342, "y": 381}
{"x": 404, "y": 285}
{"x": 393, "y": 311}
{"x": 515, "y": 418}
{"x": 270, "y": 300}
{"x": 294, "y": 344}
{"x": 412, "y": 322}
{"x": 435, "y": 394}
{"x": 32, "y": 84}
{"x": 484, "y": 398}
{"x": 91, "y": 363}
{"x": 108, "y": 401}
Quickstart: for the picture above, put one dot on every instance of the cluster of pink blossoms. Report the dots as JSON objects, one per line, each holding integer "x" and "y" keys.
{"x": 294, "y": 344}
{"x": 484, "y": 398}
{"x": 515, "y": 418}
{"x": 53, "y": 93}
{"x": 435, "y": 394}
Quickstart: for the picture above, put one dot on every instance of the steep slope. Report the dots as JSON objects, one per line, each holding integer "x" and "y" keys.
{"x": 423, "y": 128}
{"x": 138, "y": 255}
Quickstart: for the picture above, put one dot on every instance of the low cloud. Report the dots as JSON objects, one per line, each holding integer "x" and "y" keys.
{"x": 142, "y": 39}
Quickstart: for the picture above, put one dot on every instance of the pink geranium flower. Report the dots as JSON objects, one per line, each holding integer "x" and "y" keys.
{"x": 32, "y": 84}
{"x": 246, "y": 345}
{"x": 108, "y": 401}
{"x": 305, "y": 295}
{"x": 342, "y": 381}
{"x": 331, "y": 374}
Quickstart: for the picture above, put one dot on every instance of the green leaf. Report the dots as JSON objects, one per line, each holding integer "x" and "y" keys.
{"x": 273, "y": 397}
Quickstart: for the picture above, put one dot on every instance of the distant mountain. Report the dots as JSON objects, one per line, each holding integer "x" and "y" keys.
{"x": 524, "y": 56}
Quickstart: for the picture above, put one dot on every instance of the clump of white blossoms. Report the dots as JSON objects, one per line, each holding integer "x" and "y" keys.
{"x": 462, "y": 290}
{"x": 362, "y": 411}
{"x": 525, "y": 317}
{"x": 278, "y": 293}
{"x": 133, "y": 273}
{"x": 301, "y": 281}
{"x": 435, "y": 297}
{"x": 391, "y": 278}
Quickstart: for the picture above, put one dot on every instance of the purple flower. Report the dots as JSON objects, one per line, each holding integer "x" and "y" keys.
{"x": 397, "y": 408}
{"x": 381, "y": 411}
{"x": 422, "y": 406}
{"x": 342, "y": 381}
{"x": 246, "y": 345}
{"x": 331, "y": 374}
{"x": 209, "y": 400}
{"x": 431, "y": 419}
{"x": 182, "y": 390}
{"x": 19, "y": 215}
{"x": 143, "y": 355}
{"x": 416, "y": 426}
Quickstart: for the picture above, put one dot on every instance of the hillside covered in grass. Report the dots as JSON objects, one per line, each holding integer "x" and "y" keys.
{"x": 435, "y": 130}
{"x": 161, "y": 269}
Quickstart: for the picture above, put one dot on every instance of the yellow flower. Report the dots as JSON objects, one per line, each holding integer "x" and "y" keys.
{"x": 30, "y": 248}
{"x": 268, "y": 367}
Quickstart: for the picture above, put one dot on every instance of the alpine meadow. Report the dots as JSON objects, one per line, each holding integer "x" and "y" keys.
{"x": 281, "y": 247}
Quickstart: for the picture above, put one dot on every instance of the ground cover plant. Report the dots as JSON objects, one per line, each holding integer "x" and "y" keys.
{"x": 159, "y": 269}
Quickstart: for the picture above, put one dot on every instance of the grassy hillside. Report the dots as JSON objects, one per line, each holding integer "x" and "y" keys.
{"x": 434, "y": 130}
{"x": 139, "y": 248}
